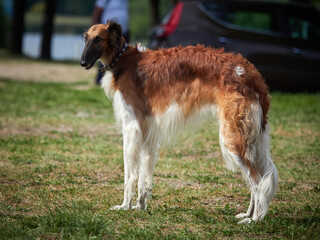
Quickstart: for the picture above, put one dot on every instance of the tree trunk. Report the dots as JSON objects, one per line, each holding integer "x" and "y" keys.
{"x": 154, "y": 12}
{"x": 47, "y": 29}
{"x": 15, "y": 45}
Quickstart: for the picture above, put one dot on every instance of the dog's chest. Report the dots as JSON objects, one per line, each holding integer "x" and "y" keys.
{"x": 107, "y": 84}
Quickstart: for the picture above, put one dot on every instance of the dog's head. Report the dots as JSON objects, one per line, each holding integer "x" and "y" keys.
{"x": 102, "y": 41}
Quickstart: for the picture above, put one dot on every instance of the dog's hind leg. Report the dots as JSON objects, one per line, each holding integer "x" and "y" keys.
{"x": 249, "y": 212}
{"x": 268, "y": 181}
{"x": 234, "y": 160}
{"x": 244, "y": 143}
{"x": 132, "y": 142}
{"x": 148, "y": 160}
{"x": 263, "y": 190}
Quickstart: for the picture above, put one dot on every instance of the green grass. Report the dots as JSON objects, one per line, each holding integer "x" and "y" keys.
{"x": 61, "y": 170}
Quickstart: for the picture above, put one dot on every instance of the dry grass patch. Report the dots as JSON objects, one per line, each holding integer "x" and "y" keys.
{"x": 46, "y": 72}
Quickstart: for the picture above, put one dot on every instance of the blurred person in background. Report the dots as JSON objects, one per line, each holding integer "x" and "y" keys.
{"x": 105, "y": 10}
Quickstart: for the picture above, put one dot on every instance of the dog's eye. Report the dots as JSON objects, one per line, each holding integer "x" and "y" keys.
{"x": 97, "y": 39}
{"x": 86, "y": 37}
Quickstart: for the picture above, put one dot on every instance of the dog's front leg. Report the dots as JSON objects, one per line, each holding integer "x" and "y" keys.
{"x": 132, "y": 141}
{"x": 148, "y": 160}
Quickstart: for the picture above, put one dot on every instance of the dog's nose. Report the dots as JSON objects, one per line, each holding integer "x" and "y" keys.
{"x": 83, "y": 63}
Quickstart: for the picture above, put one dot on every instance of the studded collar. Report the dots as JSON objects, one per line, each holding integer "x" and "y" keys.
{"x": 110, "y": 66}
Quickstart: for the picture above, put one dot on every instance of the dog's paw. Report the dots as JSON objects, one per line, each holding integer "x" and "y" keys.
{"x": 120, "y": 207}
{"x": 241, "y": 215}
{"x": 249, "y": 220}
{"x": 140, "y": 207}
{"x": 246, "y": 221}
{"x": 136, "y": 208}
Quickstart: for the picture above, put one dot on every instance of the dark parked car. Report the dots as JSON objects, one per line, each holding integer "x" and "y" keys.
{"x": 281, "y": 39}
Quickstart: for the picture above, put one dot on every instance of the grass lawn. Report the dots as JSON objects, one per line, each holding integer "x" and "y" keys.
{"x": 61, "y": 170}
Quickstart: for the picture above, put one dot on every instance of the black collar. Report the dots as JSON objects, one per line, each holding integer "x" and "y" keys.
{"x": 110, "y": 66}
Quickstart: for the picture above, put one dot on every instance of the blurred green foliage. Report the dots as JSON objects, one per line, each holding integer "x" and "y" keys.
{"x": 140, "y": 17}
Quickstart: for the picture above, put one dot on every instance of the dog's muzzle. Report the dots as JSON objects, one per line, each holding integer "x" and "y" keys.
{"x": 89, "y": 56}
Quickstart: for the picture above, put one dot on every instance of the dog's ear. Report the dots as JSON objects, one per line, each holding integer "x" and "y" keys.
{"x": 114, "y": 29}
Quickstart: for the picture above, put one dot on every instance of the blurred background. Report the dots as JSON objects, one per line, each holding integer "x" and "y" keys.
{"x": 70, "y": 18}
{"x": 282, "y": 38}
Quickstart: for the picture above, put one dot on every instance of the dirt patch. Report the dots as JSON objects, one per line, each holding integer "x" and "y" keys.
{"x": 300, "y": 132}
{"x": 45, "y": 72}
{"x": 8, "y": 129}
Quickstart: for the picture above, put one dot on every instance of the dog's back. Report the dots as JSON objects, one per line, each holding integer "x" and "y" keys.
{"x": 192, "y": 77}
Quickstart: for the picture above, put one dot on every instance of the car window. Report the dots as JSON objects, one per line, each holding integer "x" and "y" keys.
{"x": 304, "y": 29}
{"x": 251, "y": 18}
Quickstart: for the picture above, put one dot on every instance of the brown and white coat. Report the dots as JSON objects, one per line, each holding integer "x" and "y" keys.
{"x": 158, "y": 93}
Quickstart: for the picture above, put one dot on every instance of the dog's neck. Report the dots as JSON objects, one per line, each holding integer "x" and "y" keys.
{"x": 110, "y": 66}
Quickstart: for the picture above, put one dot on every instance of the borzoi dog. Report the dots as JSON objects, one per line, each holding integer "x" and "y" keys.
{"x": 156, "y": 93}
